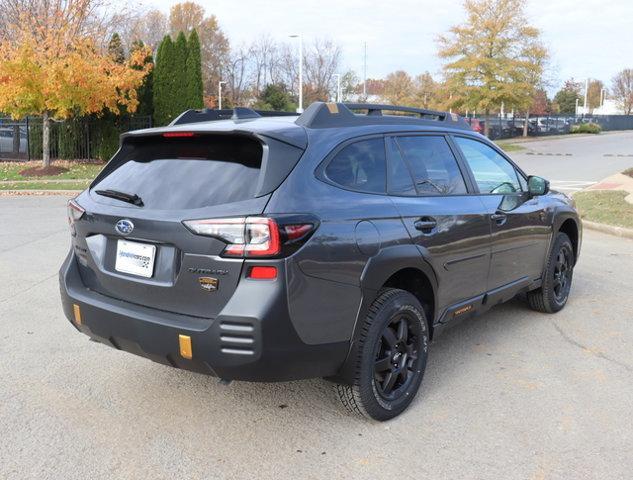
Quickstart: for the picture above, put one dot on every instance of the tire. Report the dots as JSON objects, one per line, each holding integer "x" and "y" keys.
{"x": 390, "y": 358}
{"x": 552, "y": 296}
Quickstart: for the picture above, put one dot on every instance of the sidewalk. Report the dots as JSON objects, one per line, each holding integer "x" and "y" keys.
{"x": 618, "y": 181}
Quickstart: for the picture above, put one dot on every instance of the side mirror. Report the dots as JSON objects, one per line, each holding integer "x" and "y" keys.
{"x": 537, "y": 185}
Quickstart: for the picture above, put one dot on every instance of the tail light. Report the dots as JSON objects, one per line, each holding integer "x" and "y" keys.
{"x": 256, "y": 236}
{"x": 75, "y": 212}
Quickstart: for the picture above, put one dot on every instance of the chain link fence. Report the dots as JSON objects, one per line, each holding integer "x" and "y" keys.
{"x": 78, "y": 139}
{"x": 510, "y": 127}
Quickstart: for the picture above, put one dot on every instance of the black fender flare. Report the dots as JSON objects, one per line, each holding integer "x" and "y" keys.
{"x": 560, "y": 217}
{"x": 377, "y": 271}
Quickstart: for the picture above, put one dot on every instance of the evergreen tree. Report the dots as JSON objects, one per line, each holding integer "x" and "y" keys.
{"x": 181, "y": 99}
{"x": 194, "y": 72}
{"x": 566, "y": 97}
{"x": 115, "y": 48}
{"x": 275, "y": 97}
{"x": 165, "y": 83}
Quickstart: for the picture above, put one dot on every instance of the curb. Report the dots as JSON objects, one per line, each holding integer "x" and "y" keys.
{"x": 24, "y": 193}
{"x": 610, "y": 229}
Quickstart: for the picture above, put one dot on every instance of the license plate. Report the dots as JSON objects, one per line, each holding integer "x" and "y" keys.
{"x": 135, "y": 258}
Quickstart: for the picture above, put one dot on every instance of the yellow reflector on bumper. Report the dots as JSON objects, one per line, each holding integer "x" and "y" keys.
{"x": 185, "y": 346}
{"x": 77, "y": 313}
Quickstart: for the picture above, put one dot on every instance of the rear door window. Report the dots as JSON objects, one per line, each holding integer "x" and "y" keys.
{"x": 433, "y": 165}
{"x": 184, "y": 173}
{"x": 360, "y": 166}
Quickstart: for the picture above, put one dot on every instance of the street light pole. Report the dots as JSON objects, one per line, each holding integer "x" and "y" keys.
{"x": 300, "y": 37}
{"x": 338, "y": 86}
{"x": 220, "y": 83}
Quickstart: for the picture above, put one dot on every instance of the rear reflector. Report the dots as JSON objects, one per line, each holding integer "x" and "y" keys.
{"x": 263, "y": 273}
{"x": 178, "y": 134}
{"x": 185, "y": 346}
{"x": 77, "y": 314}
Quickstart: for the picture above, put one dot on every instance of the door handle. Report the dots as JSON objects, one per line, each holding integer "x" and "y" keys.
{"x": 500, "y": 218}
{"x": 425, "y": 224}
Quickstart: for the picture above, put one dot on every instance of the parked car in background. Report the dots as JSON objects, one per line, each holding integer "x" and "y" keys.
{"x": 8, "y": 142}
{"x": 476, "y": 125}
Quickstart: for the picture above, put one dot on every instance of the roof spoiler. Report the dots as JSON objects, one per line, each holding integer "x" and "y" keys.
{"x": 238, "y": 113}
{"x": 327, "y": 115}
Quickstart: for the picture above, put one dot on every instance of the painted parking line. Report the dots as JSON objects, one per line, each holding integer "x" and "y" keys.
{"x": 570, "y": 185}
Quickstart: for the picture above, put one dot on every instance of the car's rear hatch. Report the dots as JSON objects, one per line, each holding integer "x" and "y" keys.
{"x": 131, "y": 243}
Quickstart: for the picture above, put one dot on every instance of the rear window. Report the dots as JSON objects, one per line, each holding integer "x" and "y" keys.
{"x": 184, "y": 173}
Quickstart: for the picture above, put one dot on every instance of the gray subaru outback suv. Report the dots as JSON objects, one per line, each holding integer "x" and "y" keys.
{"x": 333, "y": 244}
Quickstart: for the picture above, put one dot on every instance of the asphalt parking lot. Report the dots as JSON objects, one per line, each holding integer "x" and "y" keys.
{"x": 511, "y": 395}
{"x": 574, "y": 162}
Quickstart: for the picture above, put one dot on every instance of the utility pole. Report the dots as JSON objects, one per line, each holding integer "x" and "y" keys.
{"x": 338, "y": 86}
{"x": 586, "y": 95}
{"x": 365, "y": 71}
{"x": 220, "y": 83}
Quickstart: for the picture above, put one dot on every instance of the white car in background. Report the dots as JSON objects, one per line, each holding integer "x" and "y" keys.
{"x": 6, "y": 139}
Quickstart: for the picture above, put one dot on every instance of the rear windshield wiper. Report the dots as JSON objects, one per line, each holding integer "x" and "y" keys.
{"x": 124, "y": 197}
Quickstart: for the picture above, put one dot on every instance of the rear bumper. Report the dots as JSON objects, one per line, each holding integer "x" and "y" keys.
{"x": 252, "y": 339}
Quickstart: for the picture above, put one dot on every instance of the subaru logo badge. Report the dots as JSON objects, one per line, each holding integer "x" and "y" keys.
{"x": 124, "y": 227}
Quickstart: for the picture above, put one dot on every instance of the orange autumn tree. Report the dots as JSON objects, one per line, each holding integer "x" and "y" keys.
{"x": 58, "y": 73}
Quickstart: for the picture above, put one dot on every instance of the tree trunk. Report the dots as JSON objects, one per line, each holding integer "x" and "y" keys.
{"x": 16, "y": 140}
{"x": 46, "y": 140}
{"x": 486, "y": 123}
{"x": 525, "y": 124}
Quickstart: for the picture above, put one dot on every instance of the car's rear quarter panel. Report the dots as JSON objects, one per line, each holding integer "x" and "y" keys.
{"x": 324, "y": 277}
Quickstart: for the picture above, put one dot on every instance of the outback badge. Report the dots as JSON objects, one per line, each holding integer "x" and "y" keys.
{"x": 208, "y": 284}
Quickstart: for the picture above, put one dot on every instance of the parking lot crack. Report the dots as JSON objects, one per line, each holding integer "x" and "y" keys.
{"x": 592, "y": 351}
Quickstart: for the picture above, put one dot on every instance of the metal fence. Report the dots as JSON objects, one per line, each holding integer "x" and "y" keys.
{"x": 509, "y": 127}
{"x": 98, "y": 138}
{"x": 78, "y": 139}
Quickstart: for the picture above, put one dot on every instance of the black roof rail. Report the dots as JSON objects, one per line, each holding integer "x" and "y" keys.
{"x": 237, "y": 113}
{"x": 325, "y": 115}
{"x": 276, "y": 113}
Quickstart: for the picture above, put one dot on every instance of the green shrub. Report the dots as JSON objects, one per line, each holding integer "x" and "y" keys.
{"x": 104, "y": 138}
{"x": 586, "y": 128}
{"x": 35, "y": 139}
{"x": 70, "y": 136}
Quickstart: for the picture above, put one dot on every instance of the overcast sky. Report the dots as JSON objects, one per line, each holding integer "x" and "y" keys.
{"x": 586, "y": 39}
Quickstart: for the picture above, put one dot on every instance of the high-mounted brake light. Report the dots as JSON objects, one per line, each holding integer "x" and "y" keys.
{"x": 251, "y": 236}
{"x": 178, "y": 134}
